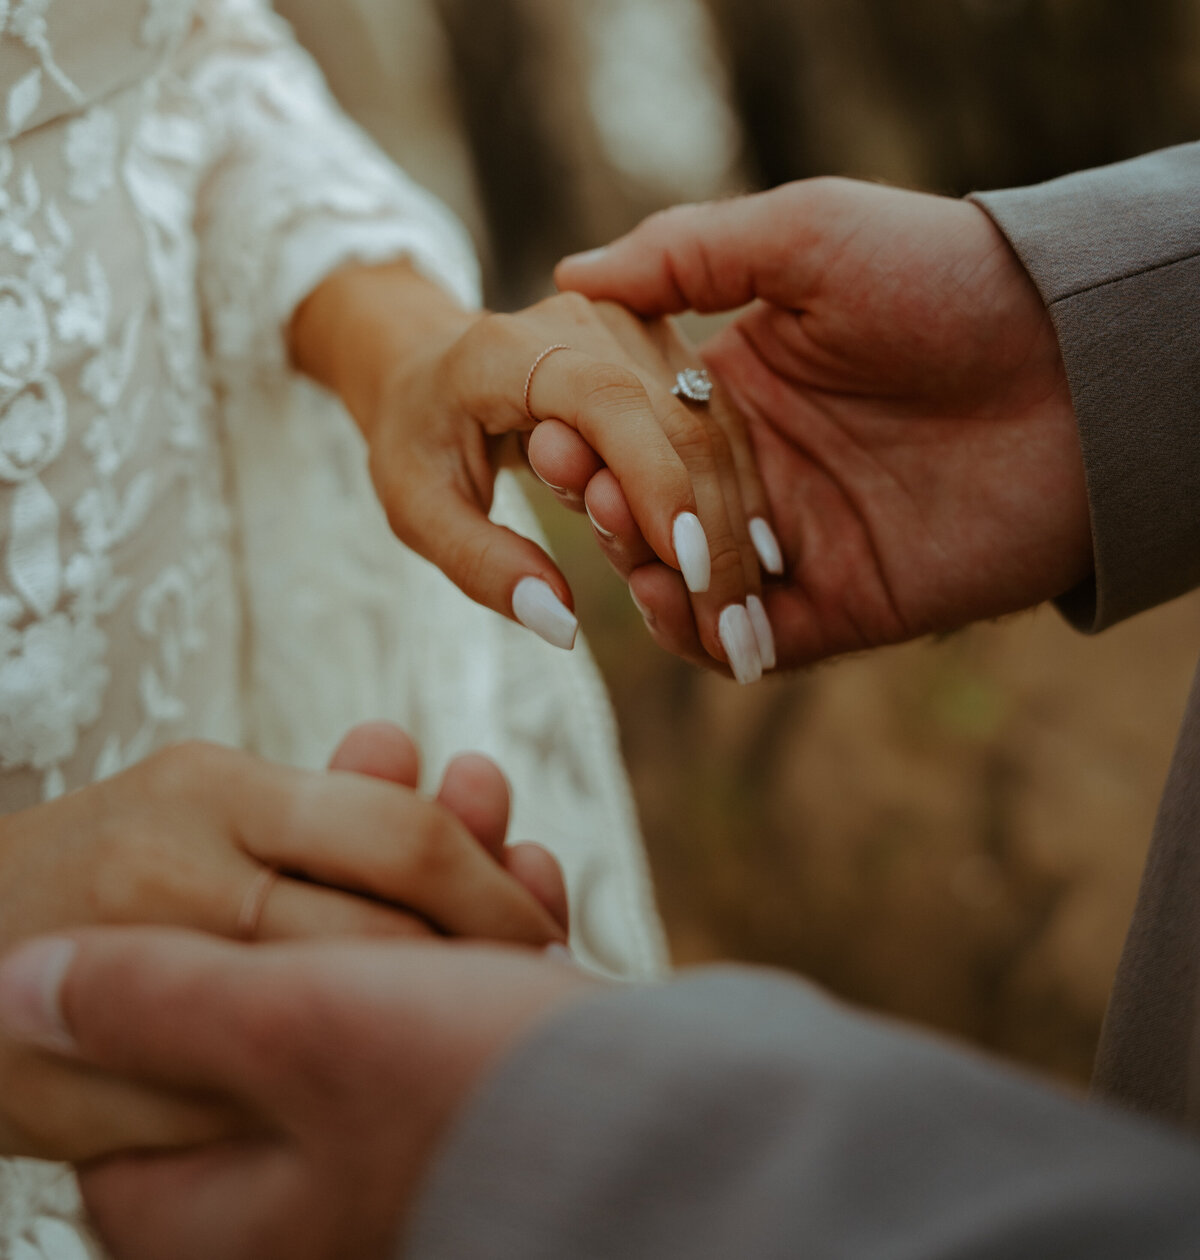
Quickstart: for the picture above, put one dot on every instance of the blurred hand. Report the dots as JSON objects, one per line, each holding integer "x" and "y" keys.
{"x": 435, "y": 389}
{"x": 905, "y": 397}
{"x": 349, "y": 1060}
{"x": 185, "y": 838}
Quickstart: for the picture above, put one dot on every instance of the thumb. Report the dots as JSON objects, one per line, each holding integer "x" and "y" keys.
{"x": 716, "y": 256}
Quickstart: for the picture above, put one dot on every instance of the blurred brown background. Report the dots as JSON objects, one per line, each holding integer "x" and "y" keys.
{"x": 951, "y": 831}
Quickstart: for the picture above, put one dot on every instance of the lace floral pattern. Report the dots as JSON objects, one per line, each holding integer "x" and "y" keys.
{"x": 157, "y": 226}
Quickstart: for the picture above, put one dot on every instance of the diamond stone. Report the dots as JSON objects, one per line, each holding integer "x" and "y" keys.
{"x": 694, "y": 384}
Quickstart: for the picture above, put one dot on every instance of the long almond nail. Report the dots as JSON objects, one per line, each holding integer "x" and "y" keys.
{"x": 740, "y": 644}
{"x": 691, "y": 550}
{"x": 767, "y": 545}
{"x": 763, "y": 634}
{"x": 30, "y": 995}
{"x": 537, "y": 608}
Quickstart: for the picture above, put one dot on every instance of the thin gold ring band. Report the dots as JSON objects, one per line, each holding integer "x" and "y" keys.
{"x": 537, "y": 363}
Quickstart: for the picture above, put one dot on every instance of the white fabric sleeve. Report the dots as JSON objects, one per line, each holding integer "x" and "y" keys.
{"x": 292, "y": 189}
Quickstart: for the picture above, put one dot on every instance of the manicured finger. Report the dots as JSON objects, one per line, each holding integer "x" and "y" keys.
{"x": 647, "y": 451}
{"x": 703, "y": 543}
{"x": 538, "y": 870}
{"x": 756, "y": 508}
{"x": 666, "y": 608}
{"x": 563, "y": 460}
{"x": 493, "y": 565}
{"x": 616, "y": 531}
{"x": 660, "y": 348}
{"x": 379, "y": 750}
{"x": 476, "y": 792}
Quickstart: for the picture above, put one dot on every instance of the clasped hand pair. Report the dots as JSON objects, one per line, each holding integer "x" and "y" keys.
{"x": 894, "y": 411}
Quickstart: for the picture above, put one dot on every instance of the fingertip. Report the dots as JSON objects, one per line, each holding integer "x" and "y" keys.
{"x": 32, "y": 979}
{"x": 561, "y": 458}
{"x": 766, "y": 544}
{"x": 538, "y": 871}
{"x": 379, "y": 750}
{"x": 477, "y": 792}
{"x": 538, "y": 607}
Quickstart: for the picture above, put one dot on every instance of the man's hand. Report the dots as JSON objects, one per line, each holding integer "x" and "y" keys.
{"x": 906, "y": 399}
{"x": 350, "y": 1061}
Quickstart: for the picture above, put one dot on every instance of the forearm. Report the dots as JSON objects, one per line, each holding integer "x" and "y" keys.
{"x": 743, "y": 1114}
{"x": 363, "y": 326}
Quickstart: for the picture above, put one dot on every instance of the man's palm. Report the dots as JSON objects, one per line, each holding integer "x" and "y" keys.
{"x": 905, "y": 394}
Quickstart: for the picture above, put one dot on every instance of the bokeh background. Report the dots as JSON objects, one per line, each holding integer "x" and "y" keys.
{"x": 951, "y": 831}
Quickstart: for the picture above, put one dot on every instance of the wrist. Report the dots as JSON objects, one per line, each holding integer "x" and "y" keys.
{"x": 363, "y": 326}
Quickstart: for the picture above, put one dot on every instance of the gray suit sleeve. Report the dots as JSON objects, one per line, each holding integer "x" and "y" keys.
{"x": 1115, "y": 254}
{"x": 743, "y": 1114}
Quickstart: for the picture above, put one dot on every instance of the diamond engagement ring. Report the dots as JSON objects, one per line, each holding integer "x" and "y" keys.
{"x": 694, "y": 384}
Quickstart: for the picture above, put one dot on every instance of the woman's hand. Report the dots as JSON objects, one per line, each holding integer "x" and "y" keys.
{"x": 436, "y": 391}
{"x": 184, "y": 838}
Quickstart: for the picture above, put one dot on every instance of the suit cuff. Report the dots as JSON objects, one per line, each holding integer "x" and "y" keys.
{"x": 1115, "y": 254}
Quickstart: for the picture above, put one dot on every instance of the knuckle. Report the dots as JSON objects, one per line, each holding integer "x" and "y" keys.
{"x": 569, "y": 306}
{"x": 727, "y": 566}
{"x": 184, "y": 769}
{"x": 609, "y": 390}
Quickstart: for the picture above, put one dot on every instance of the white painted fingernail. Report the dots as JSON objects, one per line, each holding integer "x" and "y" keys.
{"x": 31, "y": 995}
{"x": 548, "y": 484}
{"x": 606, "y": 534}
{"x": 538, "y": 609}
{"x": 740, "y": 644}
{"x": 692, "y": 553}
{"x": 588, "y": 257}
{"x": 767, "y": 545}
{"x": 764, "y": 636}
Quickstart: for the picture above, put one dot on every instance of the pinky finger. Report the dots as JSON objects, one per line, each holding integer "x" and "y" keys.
{"x": 663, "y": 600}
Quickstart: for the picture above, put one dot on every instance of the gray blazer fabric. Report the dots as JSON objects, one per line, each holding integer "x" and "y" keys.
{"x": 742, "y": 1114}
{"x": 1116, "y": 255}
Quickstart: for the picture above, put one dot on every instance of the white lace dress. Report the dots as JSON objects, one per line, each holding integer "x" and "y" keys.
{"x": 188, "y": 544}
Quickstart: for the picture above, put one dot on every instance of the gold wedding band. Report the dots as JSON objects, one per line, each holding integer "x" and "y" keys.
{"x": 537, "y": 363}
{"x": 255, "y": 902}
